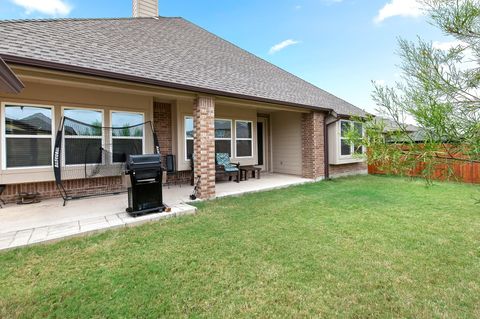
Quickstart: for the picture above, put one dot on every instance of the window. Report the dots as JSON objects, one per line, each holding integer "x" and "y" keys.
{"x": 223, "y": 136}
{"x": 28, "y": 136}
{"x": 243, "y": 139}
{"x": 346, "y": 147}
{"x": 83, "y": 139}
{"x": 188, "y": 137}
{"x": 127, "y": 135}
{"x": 358, "y": 147}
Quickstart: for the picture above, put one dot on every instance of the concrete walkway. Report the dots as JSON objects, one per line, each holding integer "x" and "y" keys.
{"x": 51, "y": 221}
{"x": 85, "y": 226}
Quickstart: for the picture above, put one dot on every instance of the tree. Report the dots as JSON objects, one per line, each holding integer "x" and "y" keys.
{"x": 439, "y": 91}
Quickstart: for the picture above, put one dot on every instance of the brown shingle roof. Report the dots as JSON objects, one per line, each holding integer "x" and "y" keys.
{"x": 167, "y": 50}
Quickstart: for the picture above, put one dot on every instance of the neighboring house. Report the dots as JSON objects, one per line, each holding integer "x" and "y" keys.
{"x": 201, "y": 92}
{"x": 416, "y": 134}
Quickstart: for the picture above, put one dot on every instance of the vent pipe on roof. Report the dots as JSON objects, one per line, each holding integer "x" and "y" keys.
{"x": 145, "y": 8}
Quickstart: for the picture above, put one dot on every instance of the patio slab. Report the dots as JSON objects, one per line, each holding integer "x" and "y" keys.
{"x": 265, "y": 183}
{"x": 84, "y": 226}
{"x": 48, "y": 221}
{"x": 52, "y": 212}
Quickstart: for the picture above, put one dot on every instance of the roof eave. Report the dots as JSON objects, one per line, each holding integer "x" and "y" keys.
{"x": 9, "y": 82}
{"x": 349, "y": 116}
{"x": 131, "y": 78}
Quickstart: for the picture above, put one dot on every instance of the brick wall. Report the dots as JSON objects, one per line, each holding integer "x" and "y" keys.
{"x": 181, "y": 177}
{"x": 348, "y": 169}
{"x": 75, "y": 187}
{"x": 313, "y": 145}
{"x": 162, "y": 122}
{"x": 81, "y": 186}
{"x": 204, "y": 145}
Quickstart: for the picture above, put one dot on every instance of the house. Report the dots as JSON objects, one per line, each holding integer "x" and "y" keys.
{"x": 415, "y": 133}
{"x": 201, "y": 93}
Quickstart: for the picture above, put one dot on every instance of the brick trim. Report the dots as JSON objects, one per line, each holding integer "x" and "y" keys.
{"x": 75, "y": 187}
{"x": 313, "y": 148}
{"x": 348, "y": 169}
{"x": 162, "y": 122}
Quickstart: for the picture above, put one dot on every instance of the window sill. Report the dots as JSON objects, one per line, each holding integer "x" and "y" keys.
{"x": 347, "y": 160}
{"x": 26, "y": 169}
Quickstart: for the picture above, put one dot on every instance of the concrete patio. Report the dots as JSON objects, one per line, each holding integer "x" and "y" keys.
{"x": 50, "y": 221}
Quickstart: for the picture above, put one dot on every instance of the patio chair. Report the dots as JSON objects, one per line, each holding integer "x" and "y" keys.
{"x": 224, "y": 167}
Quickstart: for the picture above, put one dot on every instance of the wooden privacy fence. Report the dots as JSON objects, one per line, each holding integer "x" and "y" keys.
{"x": 460, "y": 171}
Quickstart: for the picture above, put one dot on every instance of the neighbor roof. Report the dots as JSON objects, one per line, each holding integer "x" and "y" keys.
{"x": 170, "y": 52}
{"x": 416, "y": 133}
{"x": 391, "y": 125}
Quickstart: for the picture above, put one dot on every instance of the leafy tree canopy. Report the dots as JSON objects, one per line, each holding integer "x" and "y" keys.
{"x": 438, "y": 91}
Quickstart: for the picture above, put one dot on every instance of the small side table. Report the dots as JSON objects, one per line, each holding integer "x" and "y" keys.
{"x": 255, "y": 172}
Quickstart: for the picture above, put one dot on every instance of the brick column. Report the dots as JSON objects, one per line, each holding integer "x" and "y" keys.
{"x": 204, "y": 145}
{"x": 313, "y": 148}
{"x": 162, "y": 122}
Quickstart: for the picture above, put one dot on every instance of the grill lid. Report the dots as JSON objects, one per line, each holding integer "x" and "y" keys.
{"x": 150, "y": 161}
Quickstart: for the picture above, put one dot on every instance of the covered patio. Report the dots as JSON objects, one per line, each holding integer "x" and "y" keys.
{"x": 50, "y": 221}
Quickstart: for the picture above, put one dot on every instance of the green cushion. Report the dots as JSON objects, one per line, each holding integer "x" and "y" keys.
{"x": 224, "y": 160}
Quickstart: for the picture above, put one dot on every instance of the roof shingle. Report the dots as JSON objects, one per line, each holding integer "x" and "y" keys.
{"x": 170, "y": 50}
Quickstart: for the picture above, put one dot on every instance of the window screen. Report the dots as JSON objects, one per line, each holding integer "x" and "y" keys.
{"x": 83, "y": 143}
{"x": 28, "y": 136}
{"x": 243, "y": 138}
{"x": 127, "y": 138}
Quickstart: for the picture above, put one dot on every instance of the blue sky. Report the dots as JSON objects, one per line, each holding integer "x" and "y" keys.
{"x": 338, "y": 45}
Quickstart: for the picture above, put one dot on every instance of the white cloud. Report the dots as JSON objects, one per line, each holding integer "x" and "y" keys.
{"x": 282, "y": 45}
{"x": 49, "y": 7}
{"x": 402, "y": 8}
{"x": 469, "y": 60}
{"x": 445, "y": 46}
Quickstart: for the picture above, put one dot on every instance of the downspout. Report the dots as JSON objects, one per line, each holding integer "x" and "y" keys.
{"x": 325, "y": 142}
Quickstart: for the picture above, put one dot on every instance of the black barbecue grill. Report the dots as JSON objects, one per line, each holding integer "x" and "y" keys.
{"x": 145, "y": 193}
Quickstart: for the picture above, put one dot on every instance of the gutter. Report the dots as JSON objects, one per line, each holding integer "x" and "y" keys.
{"x": 9, "y": 82}
{"x": 142, "y": 80}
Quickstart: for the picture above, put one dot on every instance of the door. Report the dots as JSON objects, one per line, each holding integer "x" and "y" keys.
{"x": 262, "y": 146}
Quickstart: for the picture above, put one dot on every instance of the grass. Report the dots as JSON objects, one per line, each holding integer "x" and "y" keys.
{"x": 356, "y": 247}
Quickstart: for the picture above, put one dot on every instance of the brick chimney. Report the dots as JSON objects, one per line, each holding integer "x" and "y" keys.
{"x": 145, "y": 8}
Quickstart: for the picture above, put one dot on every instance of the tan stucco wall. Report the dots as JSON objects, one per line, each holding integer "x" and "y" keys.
{"x": 286, "y": 140}
{"x": 185, "y": 108}
{"x": 60, "y": 96}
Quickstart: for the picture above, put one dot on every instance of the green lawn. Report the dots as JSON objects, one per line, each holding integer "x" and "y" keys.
{"x": 355, "y": 247}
